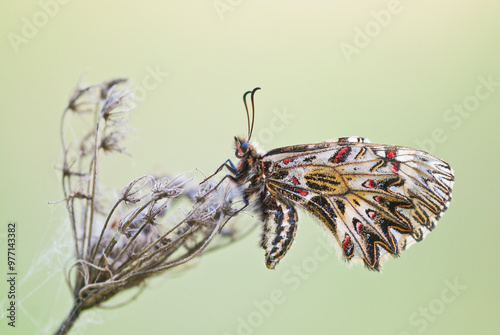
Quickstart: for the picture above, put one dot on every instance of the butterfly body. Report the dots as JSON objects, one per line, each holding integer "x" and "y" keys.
{"x": 375, "y": 199}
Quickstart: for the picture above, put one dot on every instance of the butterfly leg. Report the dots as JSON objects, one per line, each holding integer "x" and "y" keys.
{"x": 232, "y": 169}
{"x": 280, "y": 225}
{"x": 228, "y": 164}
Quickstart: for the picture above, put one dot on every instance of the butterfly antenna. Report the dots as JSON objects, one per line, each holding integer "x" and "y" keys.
{"x": 253, "y": 111}
{"x": 248, "y": 114}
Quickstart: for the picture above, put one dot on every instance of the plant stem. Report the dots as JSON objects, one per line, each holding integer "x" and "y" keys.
{"x": 70, "y": 319}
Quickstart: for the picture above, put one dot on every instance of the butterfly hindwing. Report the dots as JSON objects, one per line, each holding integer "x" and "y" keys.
{"x": 375, "y": 199}
{"x": 280, "y": 225}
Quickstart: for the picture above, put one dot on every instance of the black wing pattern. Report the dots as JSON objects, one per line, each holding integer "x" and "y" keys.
{"x": 376, "y": 199}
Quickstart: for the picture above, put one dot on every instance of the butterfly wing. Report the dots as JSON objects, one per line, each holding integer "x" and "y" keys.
{"x": 376, "y": 199}
{"x": 279, "y": 229}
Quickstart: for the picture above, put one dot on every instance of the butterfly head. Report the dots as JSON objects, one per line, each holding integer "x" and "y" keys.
{"x": 242, "y": 147}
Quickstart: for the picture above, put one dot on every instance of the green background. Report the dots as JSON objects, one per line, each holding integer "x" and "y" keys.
{"x": 396, "y": 87}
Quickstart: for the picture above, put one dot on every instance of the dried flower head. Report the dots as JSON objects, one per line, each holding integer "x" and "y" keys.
{"x": 119, "y": 245}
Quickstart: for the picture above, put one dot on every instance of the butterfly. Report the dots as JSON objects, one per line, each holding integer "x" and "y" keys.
{"x": 375, "y": 199}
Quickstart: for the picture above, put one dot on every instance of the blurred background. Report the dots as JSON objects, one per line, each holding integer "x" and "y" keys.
{"x": 414, "y": 73}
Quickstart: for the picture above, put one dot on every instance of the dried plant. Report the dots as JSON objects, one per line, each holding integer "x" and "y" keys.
{"x": 119, "y": 244}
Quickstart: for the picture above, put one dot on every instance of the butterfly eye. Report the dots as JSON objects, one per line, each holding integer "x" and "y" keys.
{"x": 244, "y": 146}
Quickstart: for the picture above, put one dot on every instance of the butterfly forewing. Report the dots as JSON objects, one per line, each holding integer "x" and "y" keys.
{"x": 375, "y": 199}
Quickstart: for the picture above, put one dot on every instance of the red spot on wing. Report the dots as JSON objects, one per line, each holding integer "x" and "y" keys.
{"x": 370, "y": 183}
{"x": 340, "y": 155}
{"x": 371, "y": 213}
{"x": 288, "y": 160}
{"x": 390, "y": 154}
{"x": 395, "y": 167}
{"x": 379, "y": 199}
{"x": 302, "y": 192}
{"x": 359, "y": 226}
{"x": 295, "y": 180}
{"x": 346, "y": 241}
